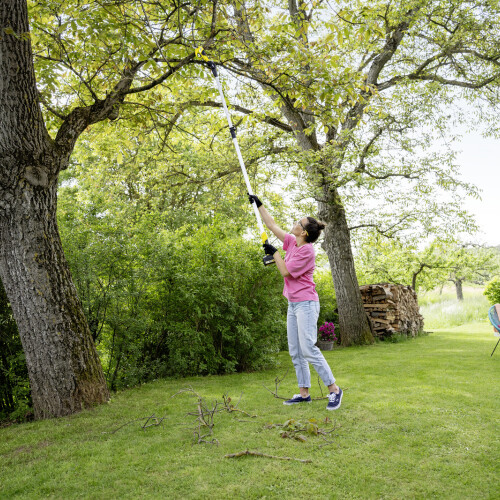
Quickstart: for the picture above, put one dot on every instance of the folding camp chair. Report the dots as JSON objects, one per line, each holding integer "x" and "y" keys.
{"x": 494, "y": 315}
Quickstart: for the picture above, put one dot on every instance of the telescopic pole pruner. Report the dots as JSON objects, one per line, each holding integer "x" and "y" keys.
{"x": 268, "y": 259}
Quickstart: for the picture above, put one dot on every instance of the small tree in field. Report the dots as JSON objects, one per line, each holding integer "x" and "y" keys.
{"x": 469, "y": 263}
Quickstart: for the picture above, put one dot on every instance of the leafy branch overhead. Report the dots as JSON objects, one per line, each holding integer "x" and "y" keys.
{"x": 91, "y": 59}
{"x": 356, "y": 83}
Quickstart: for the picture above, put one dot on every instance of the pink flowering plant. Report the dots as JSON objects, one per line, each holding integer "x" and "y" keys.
{"x": 327, "y": 332}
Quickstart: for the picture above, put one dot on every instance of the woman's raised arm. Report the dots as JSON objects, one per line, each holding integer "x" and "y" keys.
{"x": 267, "y": 218}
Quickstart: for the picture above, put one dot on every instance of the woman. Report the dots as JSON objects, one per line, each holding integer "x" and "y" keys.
{"x": 303, "y": 303}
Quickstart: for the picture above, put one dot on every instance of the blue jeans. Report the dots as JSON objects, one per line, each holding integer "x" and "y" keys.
{"x": 302, "y": 333}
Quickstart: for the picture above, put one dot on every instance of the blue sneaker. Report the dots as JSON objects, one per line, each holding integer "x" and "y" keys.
{"x": 297, "y": 398}
{"x": 334, "y": 400}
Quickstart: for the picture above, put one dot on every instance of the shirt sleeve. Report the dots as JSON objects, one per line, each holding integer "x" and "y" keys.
{"x": 289, "y": 240}
{"x": 302, "y": 261}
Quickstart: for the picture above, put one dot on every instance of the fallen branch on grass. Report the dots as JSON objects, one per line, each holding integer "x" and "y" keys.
{"x": 258, "y": 454}
{"x": 205, "y": 415}
{"x": 277, "y": 382}
{"x": 230, "y": 408}
{"x": 205, "y": 418}
{"x": 157, "y": 421}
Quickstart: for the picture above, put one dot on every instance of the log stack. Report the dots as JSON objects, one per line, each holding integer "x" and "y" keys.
{"x": 392, "y": 308}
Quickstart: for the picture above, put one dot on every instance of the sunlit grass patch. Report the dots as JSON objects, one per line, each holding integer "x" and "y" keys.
{"x": 444, "y": 310}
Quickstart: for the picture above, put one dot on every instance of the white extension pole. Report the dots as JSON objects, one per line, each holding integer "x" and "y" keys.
{"x": 238, "y": 153}
{"x": 212, "y": 66}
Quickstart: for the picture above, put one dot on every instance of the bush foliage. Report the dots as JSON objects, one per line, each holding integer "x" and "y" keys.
{"x": 492, "y": 291}
{"x": 161, "y": 303}
{"x": 175, "y": 303}
{"x": 15, "y": 398}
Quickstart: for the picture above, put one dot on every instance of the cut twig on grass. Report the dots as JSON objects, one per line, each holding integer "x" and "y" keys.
{"x": 277, "y": 382}
{"x": 320, "y": 387}
{"x": 152, "y": 421}
{"x": 259, "y": 454}
{"x": 230, "y": 408}
{"x": 204, "y": 418}
{"x": 205, "y": 415}
{"x": 155, "y": 421}
{"x": 326, "y": 443}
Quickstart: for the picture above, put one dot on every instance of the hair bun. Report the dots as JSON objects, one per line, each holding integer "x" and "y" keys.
{"x": 314, "y": 228}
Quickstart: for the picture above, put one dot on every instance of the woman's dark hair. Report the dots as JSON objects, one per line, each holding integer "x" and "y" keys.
{"x": 313, "y": 228}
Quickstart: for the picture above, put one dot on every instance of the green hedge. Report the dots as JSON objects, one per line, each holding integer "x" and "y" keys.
{"x": 15, "y": 400}
{"x": 188, "y": 302}
{"x": 492, "y": 291}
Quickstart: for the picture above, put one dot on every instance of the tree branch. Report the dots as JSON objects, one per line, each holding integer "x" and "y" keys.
{"x": 259, "y": 454}
{"x": 267, "y": 119}
{"x": 419, "y": 74}
{"x": 392, "y": 44}
{"x": 439, "y": 79}
{"x": 379, "y": 61}
{"x": 50, "y": 108}
{"x": 384, "y": 232}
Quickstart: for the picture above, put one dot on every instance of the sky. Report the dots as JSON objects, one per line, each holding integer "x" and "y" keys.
{"x": 479, "y": 161}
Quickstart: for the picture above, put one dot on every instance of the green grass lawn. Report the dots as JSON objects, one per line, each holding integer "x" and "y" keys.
{"x": 443, "y": 310}
{"x": 419, "y": 419}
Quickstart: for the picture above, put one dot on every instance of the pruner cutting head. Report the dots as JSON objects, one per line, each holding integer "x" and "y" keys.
{"x": 200, "y": 52}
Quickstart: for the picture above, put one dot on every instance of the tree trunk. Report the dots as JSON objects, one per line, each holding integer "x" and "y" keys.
{"x": 63, "y": 366}
{"x": 458, "y": 288}
{"x": 354, "y": 325}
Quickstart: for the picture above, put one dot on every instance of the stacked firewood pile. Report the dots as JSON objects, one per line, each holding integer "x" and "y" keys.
{"x": 392, "y": 308}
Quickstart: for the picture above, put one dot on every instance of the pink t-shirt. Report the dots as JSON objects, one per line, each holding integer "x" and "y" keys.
{"x": 299, "y": 261}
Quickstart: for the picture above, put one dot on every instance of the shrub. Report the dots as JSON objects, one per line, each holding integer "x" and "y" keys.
{"x": 15, "y": 397}
{"x": 492, "y": 291}
{"x": 221, "y": 309}
{"x": 185, "y": 302}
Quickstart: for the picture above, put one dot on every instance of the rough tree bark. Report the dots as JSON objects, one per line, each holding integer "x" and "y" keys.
{"x": 458, "y": 287}
{"x": 354, "y": 325}
{"x": 64, "y": 369}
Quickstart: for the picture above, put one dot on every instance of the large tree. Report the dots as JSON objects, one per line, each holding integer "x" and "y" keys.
{"x": 91, "y": 57}
{"x": 346, "y": 77}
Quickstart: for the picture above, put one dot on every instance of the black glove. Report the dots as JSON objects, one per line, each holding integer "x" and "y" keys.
{"x": 254, "y": 199}
{"x": 269, "y": 249}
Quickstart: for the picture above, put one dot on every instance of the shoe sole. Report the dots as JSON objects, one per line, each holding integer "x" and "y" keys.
{"x": 338, "y": 406}
{"x": 296, "y": 403}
